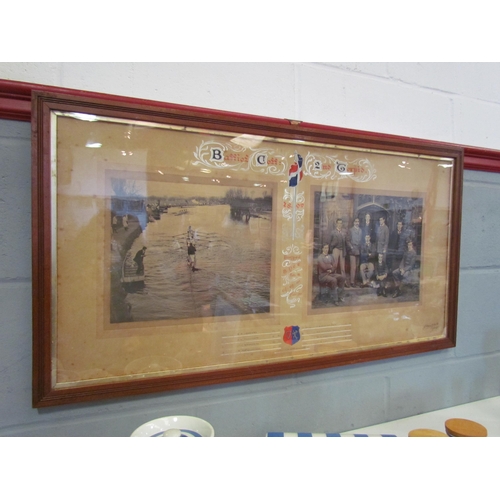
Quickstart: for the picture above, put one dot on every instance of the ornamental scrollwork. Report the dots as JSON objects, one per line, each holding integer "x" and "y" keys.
{"x": 292, "y": 296}
{"x": 227, "y": 155}
{"x": 293, "y": 205}
{"x": 339, "y": 167}
{"x": 292, "y": 250}
{"x": 291, "y": 275}
{"x": 217, "y": 155}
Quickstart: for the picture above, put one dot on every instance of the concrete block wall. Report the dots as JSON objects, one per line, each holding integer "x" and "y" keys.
{"x": 452, "y": 102}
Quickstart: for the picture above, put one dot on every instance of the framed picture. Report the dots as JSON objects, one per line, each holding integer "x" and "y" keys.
{"x": 176, "y": 247}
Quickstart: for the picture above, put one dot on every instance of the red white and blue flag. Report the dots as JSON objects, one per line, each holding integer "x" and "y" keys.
{"x": 295, "y": 173}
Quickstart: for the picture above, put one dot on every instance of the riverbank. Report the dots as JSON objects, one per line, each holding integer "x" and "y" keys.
{"x": 122, "y": 239}
{"x": 121, "y": 243}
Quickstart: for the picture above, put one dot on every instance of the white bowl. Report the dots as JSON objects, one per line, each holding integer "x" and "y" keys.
{"x": 188, "y": 427}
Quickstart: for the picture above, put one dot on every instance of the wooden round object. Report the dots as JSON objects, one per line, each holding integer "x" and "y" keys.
{"x": 426, "y": 433}
{"x": 461, "y": 427}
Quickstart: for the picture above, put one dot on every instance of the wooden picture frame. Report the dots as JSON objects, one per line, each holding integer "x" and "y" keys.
{"x": 124, "y": 191}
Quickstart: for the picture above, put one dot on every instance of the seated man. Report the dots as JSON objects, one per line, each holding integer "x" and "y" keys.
{"x": 381, "y": 273}
{"x": 367, "y": 258}
{"x": 405, "y": 267}
{"x": 328, "y": 278}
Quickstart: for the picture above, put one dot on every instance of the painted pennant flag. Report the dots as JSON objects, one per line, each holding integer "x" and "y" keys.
{"x": 295, "y": 173}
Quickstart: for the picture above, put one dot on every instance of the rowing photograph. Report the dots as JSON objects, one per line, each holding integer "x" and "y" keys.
{"x": 181, "y": 251}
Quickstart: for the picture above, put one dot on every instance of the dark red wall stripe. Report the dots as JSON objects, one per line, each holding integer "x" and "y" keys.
{"x": 15, "y": 104}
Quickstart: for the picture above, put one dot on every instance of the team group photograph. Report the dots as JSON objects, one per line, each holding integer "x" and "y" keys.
{"x": 367, "y": 249}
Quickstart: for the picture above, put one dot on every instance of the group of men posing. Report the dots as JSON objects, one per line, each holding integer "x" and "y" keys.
{"x": 375, "y": 253}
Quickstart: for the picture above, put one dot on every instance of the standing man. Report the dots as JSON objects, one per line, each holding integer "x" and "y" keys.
{"x": 191, "y": 258}
{"x": 354, "y": 241}
{"x": 397, "y": 246}
{"x": 338, "y": 246}
{"x": 382, "y": 238}
{"x": 139, "y": 260}
{"x": 327, "y": 276}
{"x": 368, "y": 228}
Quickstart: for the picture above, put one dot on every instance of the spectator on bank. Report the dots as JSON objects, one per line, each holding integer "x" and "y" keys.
{"x": 139, "y": 260}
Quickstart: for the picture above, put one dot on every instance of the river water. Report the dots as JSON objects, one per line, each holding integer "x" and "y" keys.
{"x": 233, "y": 266}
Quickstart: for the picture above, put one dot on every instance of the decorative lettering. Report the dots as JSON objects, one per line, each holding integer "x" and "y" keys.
{"x": 261, "y": 159}
{"x": 339, "y": 167}
{"x": 225, "y": 155}
{"x": 291, "y": 275}
{"x": 216, "y": 154}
